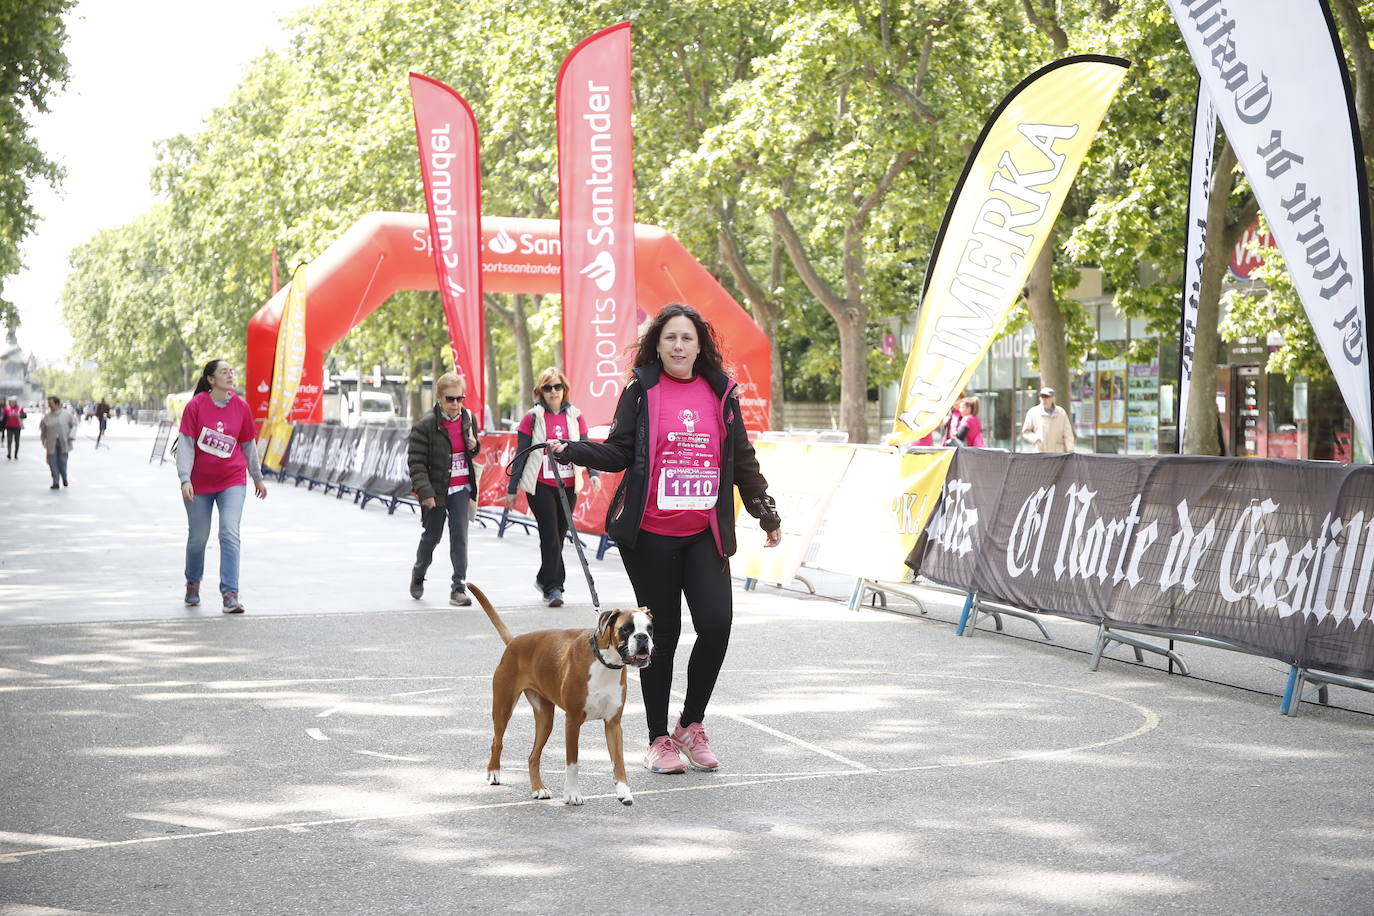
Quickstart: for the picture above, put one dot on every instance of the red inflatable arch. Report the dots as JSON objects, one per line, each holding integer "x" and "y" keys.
{"x": 386, "y": 252}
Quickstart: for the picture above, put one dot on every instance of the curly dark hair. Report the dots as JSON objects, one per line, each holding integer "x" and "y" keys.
{"x": 646, "y": 350}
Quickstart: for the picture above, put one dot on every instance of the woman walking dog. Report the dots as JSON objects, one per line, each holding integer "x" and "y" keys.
{"x": 679, "y": 434}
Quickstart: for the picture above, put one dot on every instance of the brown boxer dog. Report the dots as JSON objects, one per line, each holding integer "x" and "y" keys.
{"x": 581, "y": 672}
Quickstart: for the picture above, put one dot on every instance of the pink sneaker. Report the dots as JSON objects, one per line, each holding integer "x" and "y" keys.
{"x": 693, "y": 743}
{"x": 662, "y": 756}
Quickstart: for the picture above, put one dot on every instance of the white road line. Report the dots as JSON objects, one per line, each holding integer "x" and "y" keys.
{"x": 792, "y": 739}
{"x": 416, "y": 693}
{"x": 317, "y": 734}
{"x": 328, "y": 712}
{"x": 392, "y": 756}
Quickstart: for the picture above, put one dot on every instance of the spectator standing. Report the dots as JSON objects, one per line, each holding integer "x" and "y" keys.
{"x": 951, "y": 424}
{"x": 552, "y": 417}
{"x": 216, "y": 450}
{"x": 442, "y": 445}
{"x": 14, "y": 417}
{"x": 1047, "y": 427}
{"x": 679, "y": 435}
{"x": 102, "y": 416}
{"x": 56, "y": 429}
{"x": 969, "y": 430}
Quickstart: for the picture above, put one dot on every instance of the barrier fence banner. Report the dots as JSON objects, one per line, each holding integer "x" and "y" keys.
{"x": 596, "y": 212}
{"x": 802, "y": 477}
{"x": 999, "y": 217}
{"x": 1276, "y": 71}
{"x": 881, "y": 507}
{"x": 1195, "y": 245}
{"x": 446, "y": 131}
{"x": 375, "y": 460}
{"x": 1272, "y": 556}
{"x": 589, "y": 512}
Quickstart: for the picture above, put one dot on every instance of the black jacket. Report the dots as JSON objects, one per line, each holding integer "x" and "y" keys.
{"x": 627, "y": 449}
{"x": 430, "y": 455}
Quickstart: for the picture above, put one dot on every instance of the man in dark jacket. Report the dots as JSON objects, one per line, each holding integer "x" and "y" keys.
{"x": 442, "y": 445}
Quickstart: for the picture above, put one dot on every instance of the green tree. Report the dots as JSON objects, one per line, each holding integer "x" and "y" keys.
{"x": 32, "y": 66}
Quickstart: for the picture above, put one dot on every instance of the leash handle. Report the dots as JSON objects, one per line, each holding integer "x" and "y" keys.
{"x": 567, "y": 513}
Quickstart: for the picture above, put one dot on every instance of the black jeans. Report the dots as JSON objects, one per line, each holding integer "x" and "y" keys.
{"x": 547, "y": 510}
{"x": 455, "y": 509}
{"x": 662, "y": 570}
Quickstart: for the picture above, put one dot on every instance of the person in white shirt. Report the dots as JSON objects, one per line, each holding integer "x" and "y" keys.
{"x": 1047, "y": 427}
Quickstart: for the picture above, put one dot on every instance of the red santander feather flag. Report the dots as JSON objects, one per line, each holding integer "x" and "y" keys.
{"x": 596, "y": 219}
{"x": 446, "y": 132}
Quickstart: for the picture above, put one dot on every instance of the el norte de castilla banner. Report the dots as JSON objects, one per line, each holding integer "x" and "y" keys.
{"x": 1275, "y": 71}
{"x": 999, "y": 218}
{"x": 1276, "y": 557}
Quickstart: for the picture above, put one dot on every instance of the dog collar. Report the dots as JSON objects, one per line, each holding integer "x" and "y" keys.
{"x": 599, "y": 657}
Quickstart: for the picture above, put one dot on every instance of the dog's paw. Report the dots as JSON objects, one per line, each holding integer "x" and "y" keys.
{"x": 622, "y": 792}
{"x": 573, "y": 798}
{"x": 541, "y": 792}
{"x": 493, "y": 777}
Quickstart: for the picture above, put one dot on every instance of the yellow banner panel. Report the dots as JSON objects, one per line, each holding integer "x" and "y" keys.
{"x": 801, "y": 479}
{"x": 882, "y": 505}
{"x": 999, "y": 218}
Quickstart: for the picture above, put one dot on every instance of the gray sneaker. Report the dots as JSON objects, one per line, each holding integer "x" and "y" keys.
{"x": 232, "y": 604}
{"x": 459, "y": 598}
{"x": 192, "y": 594}
{"x": 555, "y": 597}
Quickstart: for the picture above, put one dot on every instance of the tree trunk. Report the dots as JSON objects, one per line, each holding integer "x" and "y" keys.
{"x": 493, "y": 395}
{"x": 764, "y": 309}
{"x": 1200, "y": 437}
{"x": 417, "y": 393}
{"x": 514, "y": 320}
{"x": 524, "y": 352}
{"x": 1051, "y": 342}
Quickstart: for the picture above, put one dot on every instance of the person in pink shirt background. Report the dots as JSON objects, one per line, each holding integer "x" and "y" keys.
{"x": 216, "y": 452}
{"x": 969, "y": 429}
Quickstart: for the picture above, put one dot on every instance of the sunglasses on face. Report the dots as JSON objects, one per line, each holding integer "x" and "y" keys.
{"x": 547, "y": 389}
{"x": 455, "y": 398}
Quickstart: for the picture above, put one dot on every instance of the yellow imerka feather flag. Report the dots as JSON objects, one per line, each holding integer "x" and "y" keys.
{"x": 287, "y": 366}
{"x": 1001, "y": 213}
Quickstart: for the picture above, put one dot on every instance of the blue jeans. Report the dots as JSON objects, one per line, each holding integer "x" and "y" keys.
{"x": 198, "y": 511}
{"x": 57, "y": 463}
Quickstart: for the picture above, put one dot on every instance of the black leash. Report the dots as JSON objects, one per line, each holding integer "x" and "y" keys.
{"x": 567, "y": 513}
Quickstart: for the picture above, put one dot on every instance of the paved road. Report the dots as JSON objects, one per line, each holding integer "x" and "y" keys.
{"x": 324, "y": 752}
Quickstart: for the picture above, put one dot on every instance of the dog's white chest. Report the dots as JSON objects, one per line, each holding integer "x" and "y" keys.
{"x": 603, "y": 693}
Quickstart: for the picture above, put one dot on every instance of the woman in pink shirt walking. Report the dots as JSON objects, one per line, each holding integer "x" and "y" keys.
{"x": 216, "y": 451}
{"x": 679, "y": 435}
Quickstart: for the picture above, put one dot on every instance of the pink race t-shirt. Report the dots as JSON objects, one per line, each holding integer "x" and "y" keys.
{"x": 555, "y": 427}
{"x": 684, "y": 470}
{"x": 458, "y": 470}
{"x": 217, "y": 432}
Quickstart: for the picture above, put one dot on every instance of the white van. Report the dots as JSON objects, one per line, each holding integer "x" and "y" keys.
{"x": 367, "y": 407}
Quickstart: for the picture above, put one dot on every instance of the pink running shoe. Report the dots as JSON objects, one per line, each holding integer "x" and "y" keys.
{"x": 662, "y": 756}
{"x": 693, "y": 743}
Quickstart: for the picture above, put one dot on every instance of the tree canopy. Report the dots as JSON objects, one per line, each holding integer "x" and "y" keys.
{"x": 33, "y": 65}
{"x": 803, "y": 151}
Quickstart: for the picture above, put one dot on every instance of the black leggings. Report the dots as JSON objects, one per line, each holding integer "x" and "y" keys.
{"x": 12, "y": 439}
{"x": 662, "y": 570}
{"x": 547, "y": 510}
